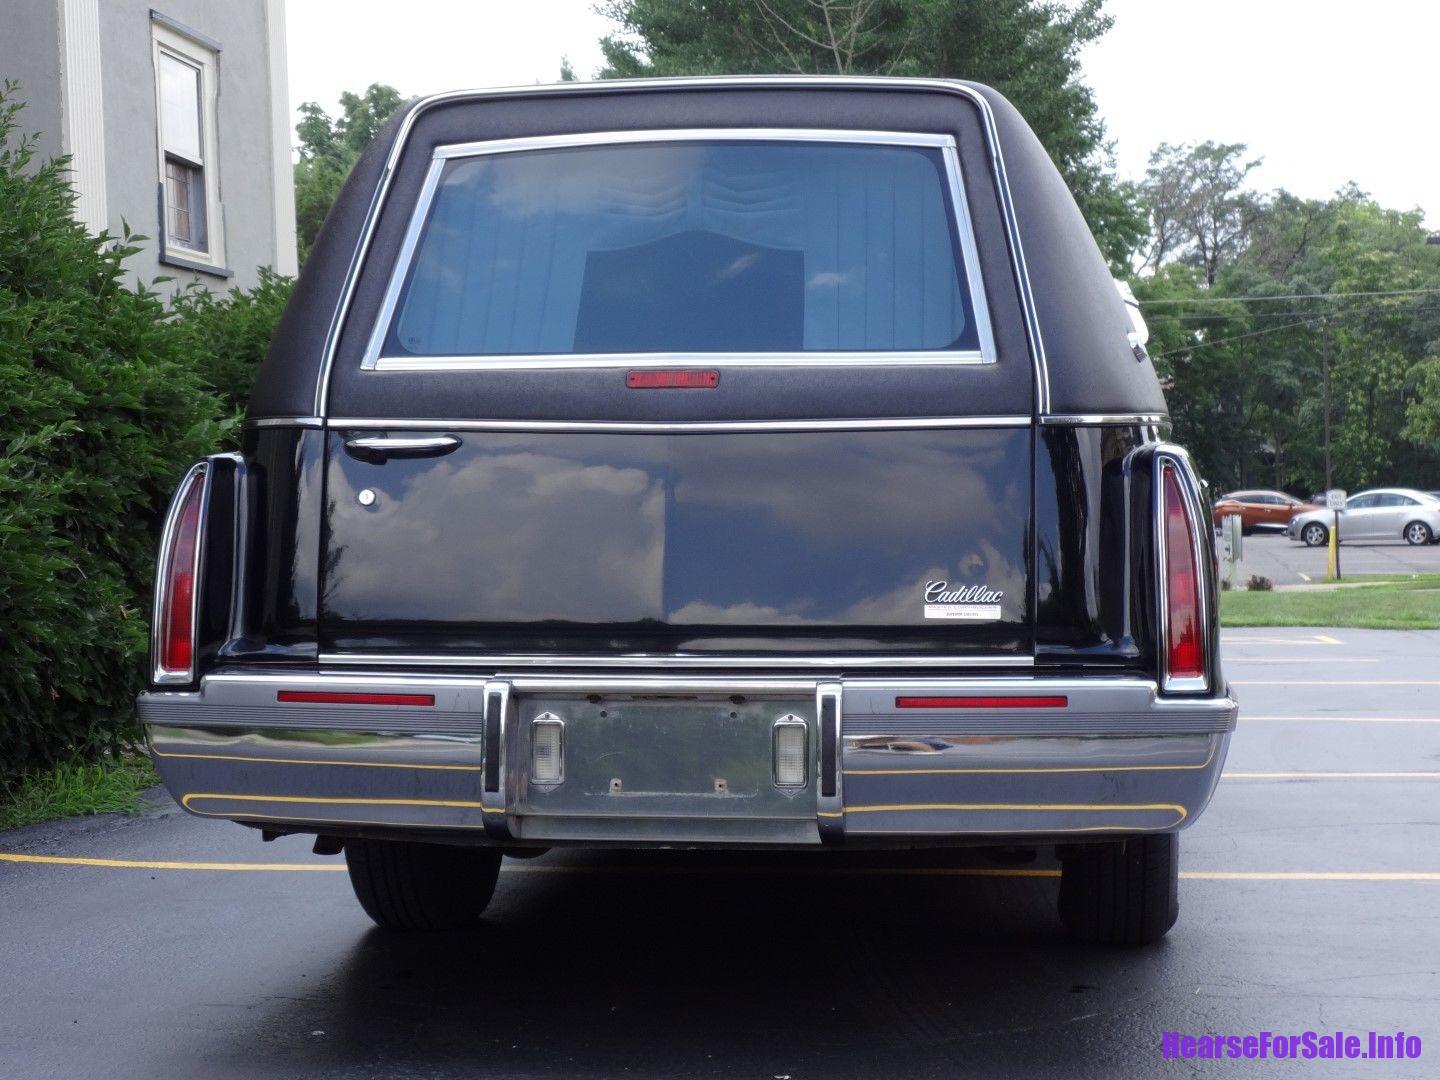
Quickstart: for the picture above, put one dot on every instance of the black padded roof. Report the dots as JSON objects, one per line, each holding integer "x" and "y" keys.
{"x": 1087, "y": 364}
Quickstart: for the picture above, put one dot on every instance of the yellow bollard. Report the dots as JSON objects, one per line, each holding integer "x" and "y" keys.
{"x": 1332, "y": 562}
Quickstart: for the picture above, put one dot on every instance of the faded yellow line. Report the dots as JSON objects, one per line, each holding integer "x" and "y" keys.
{"x": 1249, "y": 719}
{"x": 1300, "y": 660}
{"x": 1337, "y": 682}
{"x": 1318, "y": 639}
{"x": 1323, "y": 775}
{"x": 746, "y": 871}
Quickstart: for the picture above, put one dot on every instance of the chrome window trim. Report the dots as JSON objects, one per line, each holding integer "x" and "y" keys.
{"x": 285, "y": 422}
{"x": 1103, "y": 418}
{"x": 1176, "y": 458}
{"x": 196, "y": 474}
{"x": 948, "y": 86}
{"x": 374, "y": 360}
{"x": 629, "y": 660}
{"x": 895, "y": 423}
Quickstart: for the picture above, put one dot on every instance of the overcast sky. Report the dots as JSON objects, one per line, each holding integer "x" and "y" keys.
{"x": 1324, "y": 90}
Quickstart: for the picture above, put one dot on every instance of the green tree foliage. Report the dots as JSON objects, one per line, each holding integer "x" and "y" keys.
{"x": 1246, "y": 378}
{"x": 1027, "y": 49}
{"x": 329, "y": 148}
{"x": 229, "y": 335}
{"x": 101, "y": 410}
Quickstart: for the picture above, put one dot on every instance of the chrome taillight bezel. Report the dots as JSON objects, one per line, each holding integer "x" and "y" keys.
{"x": 1177, "y": 461}
{"x": 160, "y": 673}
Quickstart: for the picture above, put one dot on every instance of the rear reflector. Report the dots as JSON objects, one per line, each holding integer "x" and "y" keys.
{"x": 790, "y": 741}
{"x": 1058, "y": 701}
{"x": 675, "y": 380}
{"x": 547, "y": 749}
{"x": 1184, "y": 652}
{"x": 175, "y": 597}
{"x": 329, "y": 697}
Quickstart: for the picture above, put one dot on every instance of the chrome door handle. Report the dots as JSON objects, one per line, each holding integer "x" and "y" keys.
{"x": 380, "y": 447}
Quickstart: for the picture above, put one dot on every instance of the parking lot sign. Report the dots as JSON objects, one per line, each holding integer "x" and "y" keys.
{"x": 1335, "y": 499}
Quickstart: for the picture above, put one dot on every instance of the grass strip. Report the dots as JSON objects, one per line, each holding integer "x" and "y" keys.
{"x": 72, "y": 789}
{"x": 1406, "y": 604}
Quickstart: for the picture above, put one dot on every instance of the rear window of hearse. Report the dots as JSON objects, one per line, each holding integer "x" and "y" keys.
{"x": 685, "y": 246}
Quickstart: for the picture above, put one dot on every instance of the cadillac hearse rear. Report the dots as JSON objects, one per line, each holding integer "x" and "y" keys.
{"x": 758, "y": 463}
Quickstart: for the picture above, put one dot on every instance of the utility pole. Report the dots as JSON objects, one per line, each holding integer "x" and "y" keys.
{"x": 1325, "y": 367}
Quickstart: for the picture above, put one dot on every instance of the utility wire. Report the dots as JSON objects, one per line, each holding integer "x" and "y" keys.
{"x": 1227, "y": 340}
{"x": 1318, "y": 314}
{"x": 1288, "y": 296}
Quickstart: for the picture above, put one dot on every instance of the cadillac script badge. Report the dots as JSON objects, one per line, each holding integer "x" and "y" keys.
{"x": 976, "y": 603}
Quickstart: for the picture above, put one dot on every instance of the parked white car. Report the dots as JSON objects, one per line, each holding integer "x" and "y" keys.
{"x": 1377, "y": 514}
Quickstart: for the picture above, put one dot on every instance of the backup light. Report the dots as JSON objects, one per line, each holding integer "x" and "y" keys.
{"x": 547, "y": 749}
{"x": 790, "y": 755}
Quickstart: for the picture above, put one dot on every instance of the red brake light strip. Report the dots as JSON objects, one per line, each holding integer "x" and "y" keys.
{"x": 328, "y": 697}
{"x": 1055, "y": 701}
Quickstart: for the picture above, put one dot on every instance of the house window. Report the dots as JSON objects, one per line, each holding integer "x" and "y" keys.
{"x": 185, "y": 94}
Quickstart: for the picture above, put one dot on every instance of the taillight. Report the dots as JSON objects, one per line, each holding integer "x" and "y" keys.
{"x": 1184, "y": 617}
{"x": 174, "y": 635}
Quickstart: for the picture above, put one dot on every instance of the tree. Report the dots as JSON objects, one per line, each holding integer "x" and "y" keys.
{"x": 1027, "y": 49}
{"x": 329, "y": 148}
{"x": 1200, "y": 209}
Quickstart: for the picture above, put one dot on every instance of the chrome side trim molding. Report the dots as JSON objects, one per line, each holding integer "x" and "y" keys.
{"x": 547, "y": 662}
{"x": 1078, "y": 419}
{"x": 723, "y": 361}
{"x": 883, "y": 423}
{"x": 342, "y": 307}
{"x": 374, "y": 360}
{"x": 285, "y": 422}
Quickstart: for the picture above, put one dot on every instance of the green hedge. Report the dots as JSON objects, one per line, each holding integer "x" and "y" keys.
{"x": 105, "y": 398}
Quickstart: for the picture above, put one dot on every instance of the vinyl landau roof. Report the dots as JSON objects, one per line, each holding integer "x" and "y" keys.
{"x": 1060, "y": 328}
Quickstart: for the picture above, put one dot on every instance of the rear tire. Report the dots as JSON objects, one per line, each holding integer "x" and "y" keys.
{"x": 1315, "y": 535}
{"x": 1418, "y": 534}
{"x": 1121, "y": 894}
{"x": 410, "y": 886}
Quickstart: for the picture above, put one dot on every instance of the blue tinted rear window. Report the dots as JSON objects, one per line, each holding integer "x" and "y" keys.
{"x": 737, "y": 246}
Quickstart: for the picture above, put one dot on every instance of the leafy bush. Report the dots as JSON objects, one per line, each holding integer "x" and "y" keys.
{"x": 229, "y": 335}
{"x": 101, "y": 410}
{"x": 1257, "y": 583}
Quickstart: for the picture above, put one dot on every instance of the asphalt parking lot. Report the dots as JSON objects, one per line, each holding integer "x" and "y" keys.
{"x": 1288, "y": 562}
{"x": 166, "y": 945}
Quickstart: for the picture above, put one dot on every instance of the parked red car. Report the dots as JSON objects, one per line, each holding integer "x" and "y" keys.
{"x": 1260, "y": 509}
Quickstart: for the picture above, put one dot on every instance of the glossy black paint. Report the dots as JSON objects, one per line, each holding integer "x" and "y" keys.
{"x": 261, "y": 588}
{"x": 1086, "y": 587}
{"x": 712, "y": 544}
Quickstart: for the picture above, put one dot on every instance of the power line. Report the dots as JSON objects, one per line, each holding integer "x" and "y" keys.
{"x": 1227, "y": 340}
{"x": 1318, "y": 314}
{"x": 1289, "y": 296}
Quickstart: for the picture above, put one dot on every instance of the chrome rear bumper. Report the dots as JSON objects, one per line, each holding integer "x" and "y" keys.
{"x": 1094, "y": 755}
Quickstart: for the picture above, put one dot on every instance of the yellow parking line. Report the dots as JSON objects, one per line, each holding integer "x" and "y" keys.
{"x": 746, "y": 871}
{"x": 152, "y": 864}
{"x": 1322, "y": 775}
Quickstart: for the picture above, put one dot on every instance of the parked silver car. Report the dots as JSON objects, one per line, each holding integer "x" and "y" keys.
{"x": 1377, "y": 514}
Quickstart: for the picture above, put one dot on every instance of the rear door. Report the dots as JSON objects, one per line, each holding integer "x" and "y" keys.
{"x": 749, "y": 395}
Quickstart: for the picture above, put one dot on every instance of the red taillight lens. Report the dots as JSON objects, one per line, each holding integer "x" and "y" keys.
{"x": 672, "y": 380}
{"x": 1055, "y": 701}
{"x": 175, "y": 599}
{"x": 1184, "y": 644}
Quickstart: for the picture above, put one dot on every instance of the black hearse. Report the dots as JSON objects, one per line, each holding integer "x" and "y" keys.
{"x": 744, "y": 462}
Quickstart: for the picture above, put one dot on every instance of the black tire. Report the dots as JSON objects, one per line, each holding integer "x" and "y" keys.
{"x": 1121, "y": 894}
{"x": 408, "y": 886}
{"x": 1418, "y": 534}
{"x": 1314, "y": 534}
